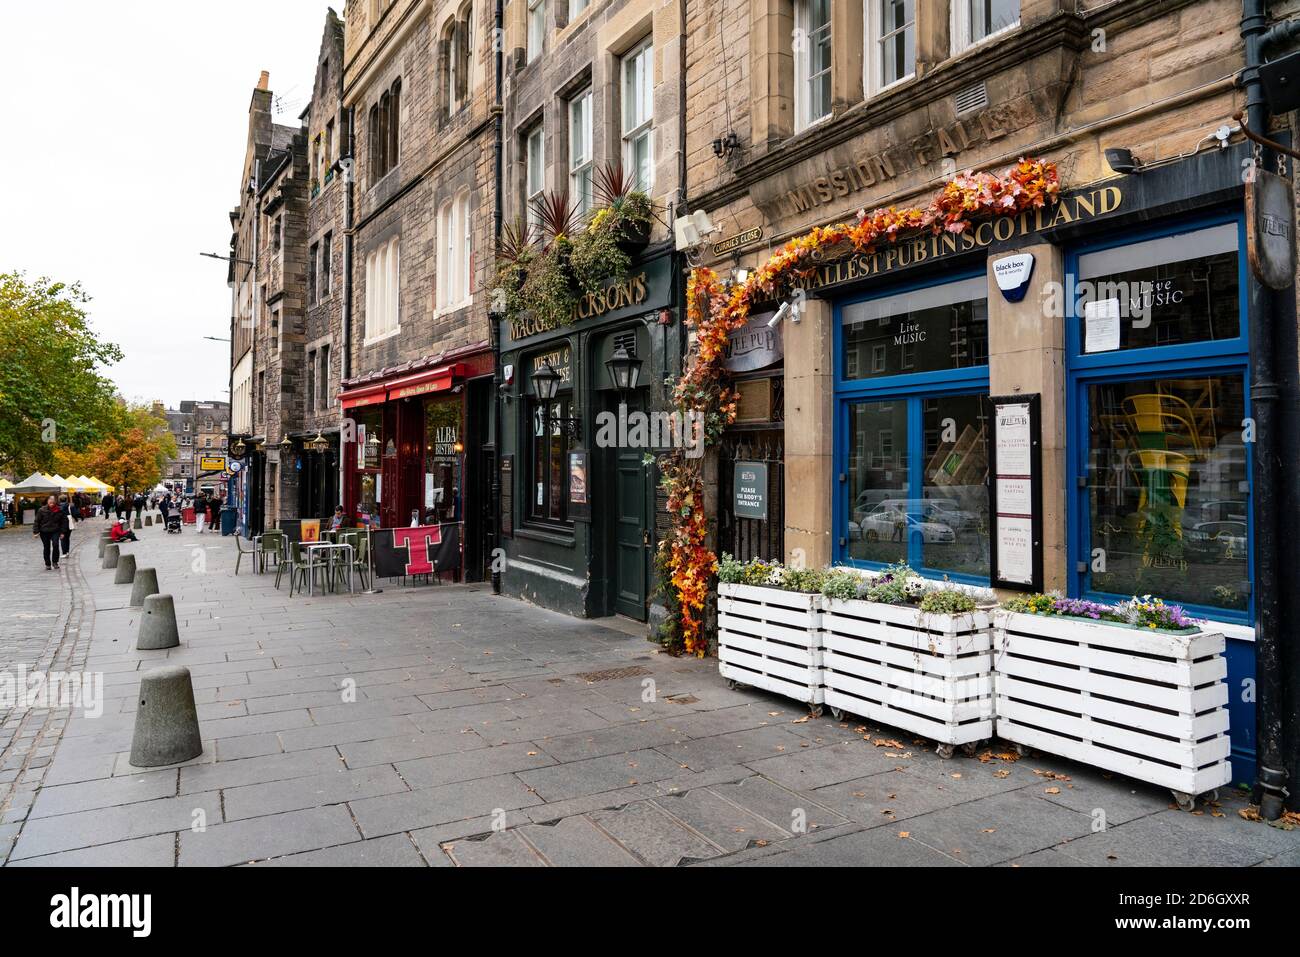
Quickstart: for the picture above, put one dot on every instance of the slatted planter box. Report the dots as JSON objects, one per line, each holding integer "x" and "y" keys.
{"x": 1151, "y": 705}
{"x": 925, "y": 673}
{"x": 771, "y": 639}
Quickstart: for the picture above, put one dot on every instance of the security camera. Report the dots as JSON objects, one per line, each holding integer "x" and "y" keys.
{"x": 781, "y": 313}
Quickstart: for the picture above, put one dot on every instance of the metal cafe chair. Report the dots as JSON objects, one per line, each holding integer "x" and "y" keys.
{"x": 271, "y": 545}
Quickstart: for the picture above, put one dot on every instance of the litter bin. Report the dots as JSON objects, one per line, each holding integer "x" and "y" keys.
{"x": 187, "y": 515}
{"x": 229, "y": 520}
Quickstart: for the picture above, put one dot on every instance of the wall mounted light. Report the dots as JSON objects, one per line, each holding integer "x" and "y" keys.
{"x": 724, "y": 146}
{"x": 624, "y": 369}
{"x": 1123, "y": 161}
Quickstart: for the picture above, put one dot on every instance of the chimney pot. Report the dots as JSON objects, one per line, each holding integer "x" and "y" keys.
{"x": 264, "y": 81}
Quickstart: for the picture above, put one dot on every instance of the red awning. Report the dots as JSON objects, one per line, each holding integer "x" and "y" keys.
{"x": 430, "y": 380}
{"x": 367, "y": 395}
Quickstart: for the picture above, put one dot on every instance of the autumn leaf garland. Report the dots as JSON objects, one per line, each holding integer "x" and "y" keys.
{"x": 715, "y": 309}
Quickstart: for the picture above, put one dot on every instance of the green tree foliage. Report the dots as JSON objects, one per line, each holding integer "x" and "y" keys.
{"x": 51, "y": 389}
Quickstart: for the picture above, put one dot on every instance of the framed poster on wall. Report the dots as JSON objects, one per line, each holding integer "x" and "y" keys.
{"x": 1015, "y": 482}
{"x": 579, "y": 485}
{"x": 507, "y": 494}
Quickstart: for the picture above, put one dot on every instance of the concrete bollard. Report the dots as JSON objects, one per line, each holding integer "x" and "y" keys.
{"x": 144, "y": 585}
{"x": 138, "y": 523}
{"x": 104, "y": 539}
{"x": 111, "y": 554}
{"x": 167, "y": 722}
{"x": 148, "y": 521}
{"x": 158, "y": 624}
{"x": 125, "y": 569}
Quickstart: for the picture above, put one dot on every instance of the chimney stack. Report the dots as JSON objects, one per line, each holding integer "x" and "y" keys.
{"x": 264, "y": 81}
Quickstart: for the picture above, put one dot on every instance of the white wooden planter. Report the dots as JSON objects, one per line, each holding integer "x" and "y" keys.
{"x": 1151, "y": 705}
{"x": 926, "y": 673}
{"x": 771, "y": 639}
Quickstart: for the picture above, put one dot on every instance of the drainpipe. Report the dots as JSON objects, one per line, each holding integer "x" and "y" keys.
{"x": 494, "y": 326}
{"x": 346, "y": 116}
{"x": 1265, "y": 398}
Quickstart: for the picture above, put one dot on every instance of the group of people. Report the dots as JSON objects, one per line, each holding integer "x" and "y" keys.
{"x": 56, "y": 519}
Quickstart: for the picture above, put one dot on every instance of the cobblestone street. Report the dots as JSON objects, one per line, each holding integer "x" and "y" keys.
{"x": 487, "y": 731}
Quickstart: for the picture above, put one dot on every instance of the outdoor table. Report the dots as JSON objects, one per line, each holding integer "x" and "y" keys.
{"x": 328, "y": 547}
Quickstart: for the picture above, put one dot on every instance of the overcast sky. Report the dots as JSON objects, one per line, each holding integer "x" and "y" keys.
{"x": 124, "y": 133}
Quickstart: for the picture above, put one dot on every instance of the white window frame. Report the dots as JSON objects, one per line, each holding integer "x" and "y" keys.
{"x": 960, "y": 30}
{"x": 536, "y": 28}
{"x": 636, "y": 86}
{"x": 576, "y": 7}
{"x": 455, "y": 254}
{"x": 802, "y": 42}
{"x": 872, "y": 60}
{"x": 581, "y": 158}
{"x": 383, "y": 284}
{"x": 534, "y": 173}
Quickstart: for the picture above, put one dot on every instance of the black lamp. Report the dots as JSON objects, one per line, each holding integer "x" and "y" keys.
{"x": 624, "y": 369}
{"x": 238, "y": 449}
{"x": 286, "y": 445}
{"x": 546, "y": 382}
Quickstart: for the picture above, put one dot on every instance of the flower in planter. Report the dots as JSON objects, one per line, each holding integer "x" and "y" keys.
{"x": 1153, "y": 614}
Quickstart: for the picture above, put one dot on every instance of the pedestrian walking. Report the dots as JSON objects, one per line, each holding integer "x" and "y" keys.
{"x": 200, "y": 510}
{"x": 74, "y": 514}
{"x": 51, "y": 522}
{"x": 107, "y": 503}
{"x": 214, "y": 513}
{"x": 139, "y": 505}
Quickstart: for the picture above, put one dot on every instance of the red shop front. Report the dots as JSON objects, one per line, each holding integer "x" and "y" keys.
{"x": 414, "y": 449}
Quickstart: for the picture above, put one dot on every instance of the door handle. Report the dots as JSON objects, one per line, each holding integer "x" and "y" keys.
{"x": 645, "y": 537}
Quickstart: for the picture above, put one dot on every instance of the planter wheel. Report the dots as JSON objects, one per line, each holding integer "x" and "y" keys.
{"x": 1186, "y": 802}
{"x": 734, "y": 685}
{"x": 815, "y": 710}
{"x": 946, "y": 751}
{"x": 1021, "y": 750}
{"x": 839, "y": 714}
{"x": 969, "y": 748}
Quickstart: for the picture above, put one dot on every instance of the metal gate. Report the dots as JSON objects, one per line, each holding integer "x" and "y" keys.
{"x": 747, "y": 538}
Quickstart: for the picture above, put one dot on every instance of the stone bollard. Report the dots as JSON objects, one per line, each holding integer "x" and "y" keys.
{"x": 125, "y": 569}
{"x": 111, "y": 554}
{"x": 166, "y": 723}
{"x": 158, "y": 624}
{"x": 144, "y": 585}
{"x": 104, "y": 539}
{"x": 138, "y": 523}
{"x": 148, "y": 521}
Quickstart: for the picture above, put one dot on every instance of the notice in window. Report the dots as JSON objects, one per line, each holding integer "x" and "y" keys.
{"x": 1101, "y": 325}
{"x": 1015, "y": 472}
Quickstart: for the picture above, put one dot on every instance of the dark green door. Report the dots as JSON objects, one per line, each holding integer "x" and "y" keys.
{"x": 631, "y": 528}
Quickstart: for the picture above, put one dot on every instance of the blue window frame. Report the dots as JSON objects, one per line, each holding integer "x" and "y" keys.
{"x": 908, "y": 397}
{"x": 1222, "y": 361}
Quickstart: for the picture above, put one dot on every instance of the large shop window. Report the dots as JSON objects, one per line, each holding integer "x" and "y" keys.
{"x": 1160, "y": 399}
{"x": 442, "y": 461}
{"x": 913, "y": 421}
{"x": 369, "y": 461}
{"x": 548, "y": 491}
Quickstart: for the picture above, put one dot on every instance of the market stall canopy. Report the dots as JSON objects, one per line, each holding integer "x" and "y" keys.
{"x": 37, "y": 484}
{"x": 5, "y": 485}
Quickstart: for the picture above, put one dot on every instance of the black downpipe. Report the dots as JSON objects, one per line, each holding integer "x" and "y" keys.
{"x": 1265, "y": 397}
{"x": 494, "y": 326}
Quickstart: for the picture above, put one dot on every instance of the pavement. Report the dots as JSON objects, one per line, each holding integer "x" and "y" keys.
{"x": 439, "y": 725}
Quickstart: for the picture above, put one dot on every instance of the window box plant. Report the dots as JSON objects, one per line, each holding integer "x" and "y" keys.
{"x": 911, "y": 653}
{"x": 1136, "y": 688}
{"x": 769, "y": 629}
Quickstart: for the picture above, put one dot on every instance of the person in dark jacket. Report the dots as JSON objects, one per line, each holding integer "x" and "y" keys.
{"x": 65, "y": 540}
{"x": 107, "y": 503}
{"x": 51, "y": 524}
{"x": 214, "y": 513}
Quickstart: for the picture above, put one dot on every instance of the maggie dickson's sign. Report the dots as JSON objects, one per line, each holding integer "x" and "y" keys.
{"x": 924, "y": 247}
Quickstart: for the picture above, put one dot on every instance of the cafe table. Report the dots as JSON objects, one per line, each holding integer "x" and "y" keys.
{"x": 327, "y": 551}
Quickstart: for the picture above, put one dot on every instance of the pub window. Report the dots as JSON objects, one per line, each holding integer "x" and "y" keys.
{"x": 812, "y": 61}
{"x": 1165, "y": 496}
{"x": 974, "y": 21}
{"x": 326, "y": 276}
{"x": 454, "y": 251}
{"x": 384, "y": 129}
{"x": 311, "y": 381}
{"x": 548, "y": 489}
{"x": 638, "y": 115}
{"x": 891, "y": 43}
{"x": 382, "y": 277}
{"x": 917, "y": 493}
{"x": 313, "y": 293}
{"x": 323, "y": 378}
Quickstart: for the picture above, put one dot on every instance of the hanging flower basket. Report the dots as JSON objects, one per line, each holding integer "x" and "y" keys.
{"x": 771, "y": 639}
{"x": 635, "y": 237}
{"x": 1145, "y": 702}
{"x": 928, "y": 673}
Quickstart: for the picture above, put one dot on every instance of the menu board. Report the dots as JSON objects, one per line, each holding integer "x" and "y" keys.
{"x": 1015, "y": 493}
{"x": 507, "y": 494}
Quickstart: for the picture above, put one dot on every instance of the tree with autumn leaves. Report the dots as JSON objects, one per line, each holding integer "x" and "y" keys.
{"x": 52, "y": 392}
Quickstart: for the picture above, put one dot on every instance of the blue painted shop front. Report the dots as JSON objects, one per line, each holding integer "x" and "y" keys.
{"x": 1157, "y": 422}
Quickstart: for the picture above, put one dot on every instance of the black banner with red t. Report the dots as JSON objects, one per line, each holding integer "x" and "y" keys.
{"x": 419, "y": 550}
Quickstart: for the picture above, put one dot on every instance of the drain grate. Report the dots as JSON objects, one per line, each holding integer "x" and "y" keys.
{"x": 613, "y": 674}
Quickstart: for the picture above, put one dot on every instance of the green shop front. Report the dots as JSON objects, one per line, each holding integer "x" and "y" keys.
{"x": 582, "y": 410}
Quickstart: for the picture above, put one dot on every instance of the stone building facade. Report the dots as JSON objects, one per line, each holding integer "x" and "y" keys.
{"x": 590, "y": 86}
{"x": 417, "y": 365}
{"x": 199, "y": 428}
{"x": 894, "y": 372}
